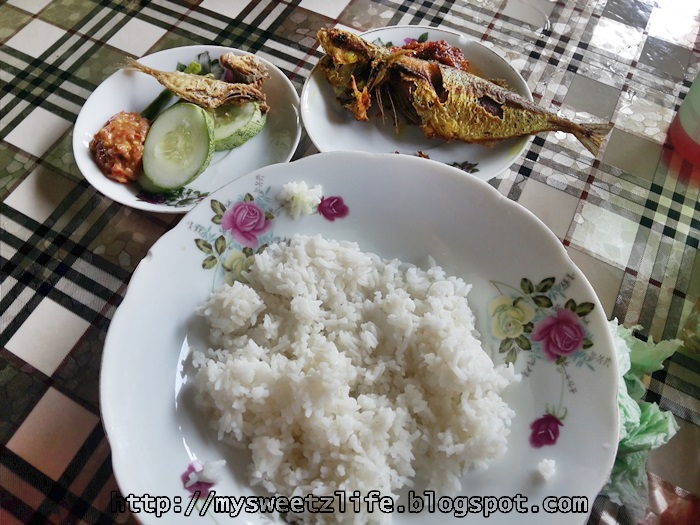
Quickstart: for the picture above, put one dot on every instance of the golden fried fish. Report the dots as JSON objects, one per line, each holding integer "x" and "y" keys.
{"x": 445, "y": 101}
{"x": 202, "y": 90}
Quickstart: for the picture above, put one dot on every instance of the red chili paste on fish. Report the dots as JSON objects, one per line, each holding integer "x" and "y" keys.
{"x": 438, "y": 51}
{"x": 118, "y": 146}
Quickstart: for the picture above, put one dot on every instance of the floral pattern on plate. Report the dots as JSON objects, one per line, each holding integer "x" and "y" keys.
{"x": 243, "y": 227}
{"x": 424, "y": 37}
{"x": 179, "y": 198}
{"x": 543, "y": 322}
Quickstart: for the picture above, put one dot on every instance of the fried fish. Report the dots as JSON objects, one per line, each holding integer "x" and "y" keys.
{"x": 202, "y": 90}
{"x": 444, "y": 100}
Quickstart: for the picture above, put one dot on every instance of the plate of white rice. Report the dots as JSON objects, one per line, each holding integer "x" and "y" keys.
{"x": 359, "y": 338}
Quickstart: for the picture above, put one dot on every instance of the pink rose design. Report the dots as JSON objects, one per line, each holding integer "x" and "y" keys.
{"x": 560, "y": 335}
{"x": 333, "y": 208}
{"x": 545, "y": 431}
{"x": 246, "y": 221}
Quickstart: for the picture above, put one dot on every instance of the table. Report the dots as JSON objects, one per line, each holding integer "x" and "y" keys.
{"x": 630, "y": 218}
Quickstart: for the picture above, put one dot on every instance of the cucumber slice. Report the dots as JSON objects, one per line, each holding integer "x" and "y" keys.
{"x": 235, "y": 124}
{"x": 178, "y": 148}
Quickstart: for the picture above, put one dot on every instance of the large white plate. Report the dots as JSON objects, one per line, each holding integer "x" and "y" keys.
{"x": 399, "y": 206}
{"x": 133, "y": 91}
{"x": 333, "y": 128}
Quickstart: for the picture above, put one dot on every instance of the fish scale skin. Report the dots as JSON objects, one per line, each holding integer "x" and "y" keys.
{"x": 462, "y": 117}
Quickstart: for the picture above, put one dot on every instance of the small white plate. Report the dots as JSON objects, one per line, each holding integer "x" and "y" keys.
{"x": 333, "y": 128}
{"x": 133, "y": 91}
{"x": 398, "y": 206}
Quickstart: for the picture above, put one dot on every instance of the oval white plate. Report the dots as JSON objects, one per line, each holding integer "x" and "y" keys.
{"x": 399, "y": 206}
{"x": 133, "y": 91}
{"x": 333, "y": 128}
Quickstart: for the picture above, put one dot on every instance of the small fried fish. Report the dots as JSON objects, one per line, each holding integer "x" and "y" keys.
{"x": 446, "y": 102}
{"x": 202, "y": 90}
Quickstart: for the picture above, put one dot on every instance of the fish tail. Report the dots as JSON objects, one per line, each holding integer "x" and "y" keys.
{"x": 132, "y": 63}
{"x": 592, "y": 136}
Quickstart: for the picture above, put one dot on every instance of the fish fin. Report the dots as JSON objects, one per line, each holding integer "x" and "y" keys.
{"x": 132, "y": 63}
{"x": 592, "y": 135}
{"x": 362, "y": 101}
{"x": 500, "y": 82}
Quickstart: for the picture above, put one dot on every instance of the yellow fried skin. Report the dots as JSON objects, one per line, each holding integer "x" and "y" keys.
{"x": 444, "y": 101}
{"x": 202, "y": 90}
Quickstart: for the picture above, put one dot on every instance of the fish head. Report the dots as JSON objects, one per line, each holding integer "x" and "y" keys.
{"x": 345, "y": 47}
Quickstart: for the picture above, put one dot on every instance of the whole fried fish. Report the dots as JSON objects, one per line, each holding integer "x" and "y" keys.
{"x": 445, "y": 101}
{"x": 202, "y": 90}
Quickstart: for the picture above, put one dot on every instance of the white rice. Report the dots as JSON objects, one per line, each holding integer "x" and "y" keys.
{"x": 341, "y": 371}
{"x": 547, "y": 468}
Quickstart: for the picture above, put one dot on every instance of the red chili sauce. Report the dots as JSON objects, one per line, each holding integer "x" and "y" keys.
{"x": 438, "y": 51}
{"x": 118, "y": 146}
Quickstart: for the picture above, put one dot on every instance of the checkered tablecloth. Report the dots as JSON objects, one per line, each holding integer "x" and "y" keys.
{"x": 630, "y": 218}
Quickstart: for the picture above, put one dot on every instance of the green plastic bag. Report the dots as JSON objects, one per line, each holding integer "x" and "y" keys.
{"x": 691, "y": 331}
{"x": 643, "y": 425}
